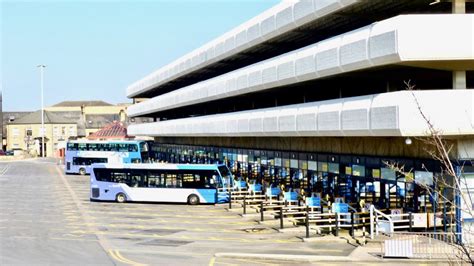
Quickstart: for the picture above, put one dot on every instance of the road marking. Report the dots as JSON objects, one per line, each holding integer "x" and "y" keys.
{"x": 75, "y": 239}
{"x": 119, "y": 257}
{"x": 102, "y": 242}
{"x": 212, "y": 261}
{"x": 250, "y": 261}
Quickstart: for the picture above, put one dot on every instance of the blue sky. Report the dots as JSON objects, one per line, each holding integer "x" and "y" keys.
{"x": 94, "y": 49}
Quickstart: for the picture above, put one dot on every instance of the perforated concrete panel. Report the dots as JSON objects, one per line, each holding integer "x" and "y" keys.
{"x": 255, "y": 79}
{"x": 267, "y": 27}
{"x": 336, "y": 55}
{"x": 353, "y": 51}
{"x": 390, "y": 114}
{"x": 303, "y": 12}
{"x": 284, "y": 20}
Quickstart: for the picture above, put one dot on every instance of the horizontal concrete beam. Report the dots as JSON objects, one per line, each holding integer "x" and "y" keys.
{"x": 407, "y": 39}
{"x": 282, "y": 18}
{"x": 386, "y": 114}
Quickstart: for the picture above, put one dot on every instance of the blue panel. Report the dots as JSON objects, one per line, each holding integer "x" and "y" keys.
{"x": 273, "y": 191}
{"x": 340, "y": 208}
{"x": 256, "y": 187}
{"x": 241, "y": 184}
{"x": 291, "y": 196}
{"x": 313, "y": 202}
{"x": 209, "y": 195}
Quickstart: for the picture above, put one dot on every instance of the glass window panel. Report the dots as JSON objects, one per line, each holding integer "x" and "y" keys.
{"x": 388, "y": 174}
{"x": 294, "y": 163}
{"x": 358, "y": 170}
{"x": 424, "y": 178}
{"x": 312, "y": 165}
{"x": 333, "y": 168}
{"x": 323, "y": 166}
{"x": 376, "y": 173}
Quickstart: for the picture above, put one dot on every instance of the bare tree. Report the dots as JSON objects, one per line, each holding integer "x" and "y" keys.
{"x": 451, "y": 178}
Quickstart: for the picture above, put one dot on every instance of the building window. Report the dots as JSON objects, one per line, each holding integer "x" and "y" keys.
{"x": 55, "y": 131}
{"x": 63, "y": 131}
{"x": 15, "y": 132}
{"x": 29, "y": 132}
{"x": 72, "y": 132}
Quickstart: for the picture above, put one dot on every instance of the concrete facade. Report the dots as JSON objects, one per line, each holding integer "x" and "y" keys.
{"x": 423, "y": 46}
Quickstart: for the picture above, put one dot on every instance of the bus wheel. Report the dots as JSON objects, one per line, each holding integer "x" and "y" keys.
{"x": 193, "y": 199}
{"x": 82, "y": 171}
{"x": 121, "y": 198}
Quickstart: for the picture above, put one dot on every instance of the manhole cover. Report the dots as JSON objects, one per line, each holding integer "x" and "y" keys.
{"x": 164, "y": 242}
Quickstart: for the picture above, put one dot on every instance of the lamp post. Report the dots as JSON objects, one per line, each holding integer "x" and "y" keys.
{"x": 42, "y": 109}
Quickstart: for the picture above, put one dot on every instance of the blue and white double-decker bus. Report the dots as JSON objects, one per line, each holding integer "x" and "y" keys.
{"x": 158, "y": 182}
{"x": 81, "y": 154}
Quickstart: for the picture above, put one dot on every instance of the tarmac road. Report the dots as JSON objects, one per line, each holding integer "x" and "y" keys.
{"x": 47, "y": 218}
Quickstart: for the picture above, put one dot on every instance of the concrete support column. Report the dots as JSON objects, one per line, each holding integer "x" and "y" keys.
{"x": 459, "y": 80}
{"x": 459, "y": 6}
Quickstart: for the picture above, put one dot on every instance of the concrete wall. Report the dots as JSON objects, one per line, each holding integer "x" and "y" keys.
{"x": 375, "y": 146}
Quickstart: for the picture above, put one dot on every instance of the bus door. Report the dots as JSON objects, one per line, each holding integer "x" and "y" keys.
{"x": 296, "y": 173}
{"x": 336, "y": 184}
{"x": 257, "y": 167}
{"x": 264, "y": 171}
{"x": 252, "y": 167}
{"x": 286, "y": 178}
{"x": 388, "y": 187}
{"x": 358, "y": 179}
{"x": 312, "y": 174}
{"x": 278, "y": 174}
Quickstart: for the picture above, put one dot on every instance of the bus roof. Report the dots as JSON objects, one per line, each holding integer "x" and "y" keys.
{"x": 158, "y": 166}
{"x": 105, "y": 141}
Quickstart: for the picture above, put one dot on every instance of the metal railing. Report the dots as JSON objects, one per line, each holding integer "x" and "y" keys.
{"x": 425, "y": 245}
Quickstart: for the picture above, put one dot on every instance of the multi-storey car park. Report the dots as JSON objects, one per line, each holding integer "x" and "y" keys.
{"x": 312, "y": 95}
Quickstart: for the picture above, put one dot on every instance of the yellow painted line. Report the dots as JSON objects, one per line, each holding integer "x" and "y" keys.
{"x": 249, "y": 261}
{"x": 75, "y": 239}
{"x": 212, "y": 261}
{"x": 119, "y": 257}
{"x": 114, "y": 256}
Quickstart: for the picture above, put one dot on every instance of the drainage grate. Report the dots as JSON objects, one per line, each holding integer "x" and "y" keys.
{"x": 165, "y": 243}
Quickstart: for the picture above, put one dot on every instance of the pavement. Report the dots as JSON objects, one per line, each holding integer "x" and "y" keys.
{"x": 48, "y": 219}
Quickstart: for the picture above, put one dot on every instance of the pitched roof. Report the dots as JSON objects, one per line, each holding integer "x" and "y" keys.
{"x": 115, "y": 130}
{"x": 81, "y": 103}
{"x": 49, "y": 118}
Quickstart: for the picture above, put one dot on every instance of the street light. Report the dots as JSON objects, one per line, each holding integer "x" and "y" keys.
{"x": 42, "y": 109}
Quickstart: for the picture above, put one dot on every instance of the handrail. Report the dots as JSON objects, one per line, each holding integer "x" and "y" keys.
{"x": 377, "y": 213}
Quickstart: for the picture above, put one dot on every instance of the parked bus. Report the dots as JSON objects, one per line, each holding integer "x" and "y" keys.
{"x": 81, "y": 154}
{"x": 158, "y": 182}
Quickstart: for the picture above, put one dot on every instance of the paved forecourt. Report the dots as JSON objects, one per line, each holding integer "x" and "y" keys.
{"x": 48, "y": 218}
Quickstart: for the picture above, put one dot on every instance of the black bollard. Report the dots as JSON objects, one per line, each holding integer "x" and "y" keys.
{"x": 281, "y": 218}
{"x": 261, "y": 211}
{"x": 307, "y": 222}
{"x": 245, "y": 202}
{"x": 230, "y": 199}
{"x": 410, "y": 221}
{"x": 336, "y": 233}
{"x": 352, "y": 224}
